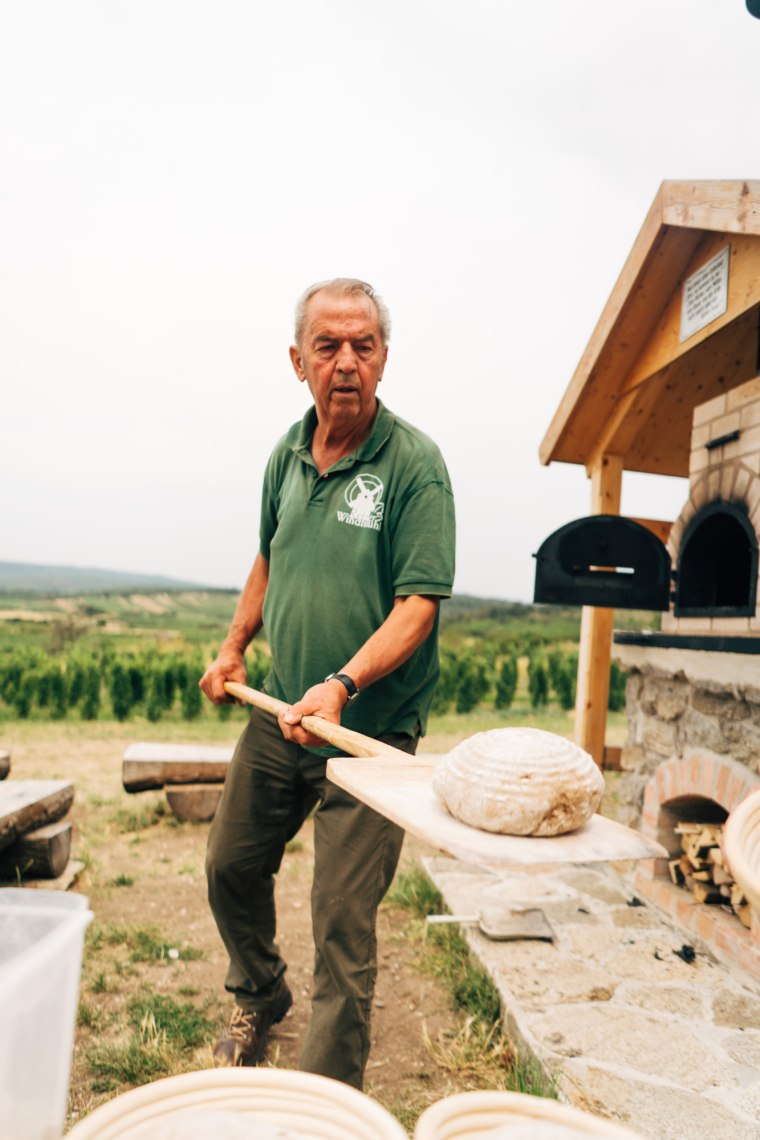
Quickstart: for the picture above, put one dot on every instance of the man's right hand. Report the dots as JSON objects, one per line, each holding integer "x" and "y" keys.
{"x": 229, "y": 666}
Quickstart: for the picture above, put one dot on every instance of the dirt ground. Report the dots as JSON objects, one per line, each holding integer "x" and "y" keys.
{"x": 142, "y": 866}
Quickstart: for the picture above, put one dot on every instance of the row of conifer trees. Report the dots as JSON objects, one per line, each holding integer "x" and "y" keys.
{"x": 470, "y": 677}
{"x": 155, "y": 684}
{"x": 95, "y": 684}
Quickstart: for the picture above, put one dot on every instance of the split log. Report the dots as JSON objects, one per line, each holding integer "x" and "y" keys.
{"x": 40, "y": 854}
{"x": 5, "y": 763}
{"x": 744, "y": 914}
{"x": 26, "y": 805}
{"x": 676, "y": 872}
{"x": 738, "y": 898}
{"x": 706, "y": 893}
{"x": 721, "y": 876}
{"x": 149, "y": 766}
{"x": 194, "y": 802}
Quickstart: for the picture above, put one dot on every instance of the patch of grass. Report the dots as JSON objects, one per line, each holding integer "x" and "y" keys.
{"x": 188, "y": 991}
{"x": 143, "y": 1058}
{"x": 479, "y": 1055}
{"x": 446, "y": 955}
{"x": 97, "y": 801}
{"x": 100, "y": 984}
{"x": 146, "y": 943}
{"x": 89, "y": 1015}
{"x": 411, "y": 1104}
{"x": 141, "y": 817}
{"x": 182, "y": 1024}
{"x": 293, "y": 846}
{"x": 122, "y": 881}
{"x": 413, "y": 890}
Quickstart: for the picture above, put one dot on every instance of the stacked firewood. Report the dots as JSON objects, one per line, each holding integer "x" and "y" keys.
{"x": 702, "y": 870}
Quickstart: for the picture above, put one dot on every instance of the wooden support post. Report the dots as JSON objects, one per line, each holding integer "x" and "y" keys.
{"x": 595, "y": 650}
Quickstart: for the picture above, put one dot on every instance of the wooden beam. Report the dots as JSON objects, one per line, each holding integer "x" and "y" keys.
{"x": 684, "y": 217}
{"x": 595, "y": 649}
{"x": 659, "y": 528}
{"x": 729, "y": 206}
{"x": 650, "y": 419}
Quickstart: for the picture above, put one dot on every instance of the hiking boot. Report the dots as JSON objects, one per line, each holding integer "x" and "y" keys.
{"x": 245, "y": 1040}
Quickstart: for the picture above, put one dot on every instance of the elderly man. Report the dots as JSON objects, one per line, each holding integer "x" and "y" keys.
{"x": 356, "y": 549}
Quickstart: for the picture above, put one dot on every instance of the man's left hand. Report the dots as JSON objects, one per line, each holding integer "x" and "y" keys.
{"x": 326, "y": 700}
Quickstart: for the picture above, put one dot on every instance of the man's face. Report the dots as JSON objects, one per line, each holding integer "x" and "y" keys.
{"x": 341, "y": 356}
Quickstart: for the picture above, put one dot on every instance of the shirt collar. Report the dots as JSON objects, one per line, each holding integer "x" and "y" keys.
{"x": 378, "y": 436}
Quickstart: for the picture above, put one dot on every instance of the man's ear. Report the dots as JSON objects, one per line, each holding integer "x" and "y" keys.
{"x": 297, "y": 362}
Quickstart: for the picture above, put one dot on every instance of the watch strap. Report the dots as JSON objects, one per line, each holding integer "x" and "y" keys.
{"x": 346, "y": 681}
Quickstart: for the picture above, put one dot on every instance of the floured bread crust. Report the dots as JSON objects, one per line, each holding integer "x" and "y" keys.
{"x": 519, "y": 781}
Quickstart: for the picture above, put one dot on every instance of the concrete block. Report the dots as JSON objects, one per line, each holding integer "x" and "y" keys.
{"x": 703, "y": 413}
{"x": 722, "y": 425}
{"x": 745, "y": 395}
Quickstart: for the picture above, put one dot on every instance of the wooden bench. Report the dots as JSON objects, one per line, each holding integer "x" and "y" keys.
{"x": 192, "y": 774}
{"x": 35, "y": 840}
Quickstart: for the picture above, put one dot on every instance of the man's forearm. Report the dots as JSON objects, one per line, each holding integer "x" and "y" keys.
{"x": 247, "y": 619}
{"x": 404, "y": 630}
{"x": 408, "y": 624}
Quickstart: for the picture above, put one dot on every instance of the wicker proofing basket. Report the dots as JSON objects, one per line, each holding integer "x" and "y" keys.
{"x": 475, "y": 1115}
{"x": 741, "y": 847}
{"x": 309, "y": 1106}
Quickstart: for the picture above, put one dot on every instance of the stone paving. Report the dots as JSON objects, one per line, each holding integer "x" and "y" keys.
{"x": 631, "y": 1030}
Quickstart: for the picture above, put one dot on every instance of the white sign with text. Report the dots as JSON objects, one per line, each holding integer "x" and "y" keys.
{"x": 705, "y": 294}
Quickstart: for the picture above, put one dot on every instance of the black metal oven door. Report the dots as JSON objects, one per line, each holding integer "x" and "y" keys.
{"x": 603, "y": 560}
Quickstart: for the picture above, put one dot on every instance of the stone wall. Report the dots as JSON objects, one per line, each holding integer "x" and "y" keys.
{"x": 670, "y": 715}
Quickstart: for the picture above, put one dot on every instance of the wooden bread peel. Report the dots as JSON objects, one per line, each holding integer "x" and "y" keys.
{"x": 399, "y": 787}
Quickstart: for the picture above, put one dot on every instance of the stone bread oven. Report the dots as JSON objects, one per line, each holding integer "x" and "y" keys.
{"x": 693, "y": 694}
{"x": 668, "y": 385}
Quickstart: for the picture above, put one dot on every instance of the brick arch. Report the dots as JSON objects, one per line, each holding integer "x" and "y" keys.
{"x": 731, "y": 481}
{"x": 698, "y": 772}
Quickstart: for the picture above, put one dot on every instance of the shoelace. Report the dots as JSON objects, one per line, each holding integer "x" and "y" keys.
{"x": 242, "y": 1024}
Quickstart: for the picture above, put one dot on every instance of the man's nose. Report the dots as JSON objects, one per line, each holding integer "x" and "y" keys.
{"x": 346, "y": 361}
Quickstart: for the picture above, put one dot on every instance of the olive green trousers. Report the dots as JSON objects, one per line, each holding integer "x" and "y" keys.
{"x": 271, "y": 787}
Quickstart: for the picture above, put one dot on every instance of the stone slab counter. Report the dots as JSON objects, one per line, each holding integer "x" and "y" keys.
{"x": 632, "y": 1030}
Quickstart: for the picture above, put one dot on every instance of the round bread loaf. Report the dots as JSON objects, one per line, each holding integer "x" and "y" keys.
{"x": 519, "y": 781}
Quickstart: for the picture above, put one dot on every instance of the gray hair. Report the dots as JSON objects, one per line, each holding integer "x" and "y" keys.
{"x": 345, "y": 285}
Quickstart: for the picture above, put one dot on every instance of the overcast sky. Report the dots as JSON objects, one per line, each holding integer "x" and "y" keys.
{"x": 174, "y": 173}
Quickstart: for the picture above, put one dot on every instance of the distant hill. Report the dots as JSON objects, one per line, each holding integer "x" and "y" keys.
{"x": 19, "y": 578}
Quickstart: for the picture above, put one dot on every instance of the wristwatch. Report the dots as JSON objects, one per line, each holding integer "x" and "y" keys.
{"x": 345, "y": 680}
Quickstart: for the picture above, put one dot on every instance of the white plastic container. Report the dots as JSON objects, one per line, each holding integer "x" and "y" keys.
{"x": 241, "y": 1103}
{"x": 41, "y": 940}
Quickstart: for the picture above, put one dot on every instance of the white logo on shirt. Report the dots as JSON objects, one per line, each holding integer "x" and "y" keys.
{"x": 363, "y": 497}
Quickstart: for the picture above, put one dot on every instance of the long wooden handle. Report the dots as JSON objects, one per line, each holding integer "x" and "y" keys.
{"x": 354, "y": 743}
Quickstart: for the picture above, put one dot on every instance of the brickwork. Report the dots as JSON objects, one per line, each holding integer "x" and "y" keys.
{"x": 697, "y": 775}
{"x": 729, "y": 473}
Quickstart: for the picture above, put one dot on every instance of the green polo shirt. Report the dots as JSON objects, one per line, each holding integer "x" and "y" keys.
{"x": 341, "y": 546}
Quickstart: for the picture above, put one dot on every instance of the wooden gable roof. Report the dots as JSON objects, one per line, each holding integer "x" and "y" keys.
{"x": 637, "y": 384}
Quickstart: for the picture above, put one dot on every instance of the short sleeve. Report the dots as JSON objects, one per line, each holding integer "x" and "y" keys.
{"x": 268, "y": 524}
{"x": 423, "y": 543}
